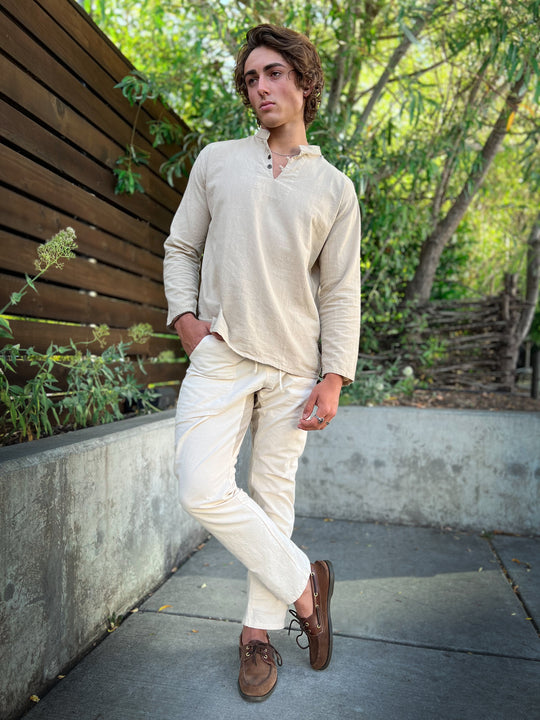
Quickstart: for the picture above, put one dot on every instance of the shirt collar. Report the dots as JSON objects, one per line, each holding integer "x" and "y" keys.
{"x": 263, "y": 134}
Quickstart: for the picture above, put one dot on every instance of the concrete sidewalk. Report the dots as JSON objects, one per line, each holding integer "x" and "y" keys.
{"x": 427, "y": 627}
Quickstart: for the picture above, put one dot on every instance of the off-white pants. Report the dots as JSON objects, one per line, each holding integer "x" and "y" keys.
{"x": 220, "y": 396}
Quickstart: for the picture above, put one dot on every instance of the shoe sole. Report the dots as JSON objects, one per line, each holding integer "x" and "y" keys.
{"x": 256, "y": 698}
{"x": 330, "y": 593}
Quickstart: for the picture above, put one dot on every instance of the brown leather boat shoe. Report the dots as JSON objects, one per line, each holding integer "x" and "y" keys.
{"x": 318, "y": 627}
{"x": 258, "y": 671}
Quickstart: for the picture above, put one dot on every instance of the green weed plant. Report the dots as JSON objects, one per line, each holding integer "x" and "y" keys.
{"x": 99, "y": 387}
{"x": 376, "y": 383}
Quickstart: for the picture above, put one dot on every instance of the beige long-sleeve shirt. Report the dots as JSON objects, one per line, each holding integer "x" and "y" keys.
{"x": 280, "y": 257}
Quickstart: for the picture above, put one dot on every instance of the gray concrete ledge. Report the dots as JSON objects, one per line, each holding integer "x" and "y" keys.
{"x": 90, "y": 522}
{"x": 429, "y": 467}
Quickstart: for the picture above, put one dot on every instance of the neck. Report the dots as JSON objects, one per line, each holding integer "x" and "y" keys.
{"x": 287, "y": 140}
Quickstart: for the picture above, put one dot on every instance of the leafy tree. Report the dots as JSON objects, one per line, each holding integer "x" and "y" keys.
{"x": 428, "y": 107}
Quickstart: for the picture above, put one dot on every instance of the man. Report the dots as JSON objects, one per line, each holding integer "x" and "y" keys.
{"x": 280, "y": 231}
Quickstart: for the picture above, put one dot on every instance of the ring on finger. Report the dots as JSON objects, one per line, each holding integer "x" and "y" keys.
{"x": 319, "y": 419}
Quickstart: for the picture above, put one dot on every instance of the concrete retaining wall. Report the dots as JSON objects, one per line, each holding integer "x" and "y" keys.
{"x": 464, "y": 469}
{"x": 89, "y": 523}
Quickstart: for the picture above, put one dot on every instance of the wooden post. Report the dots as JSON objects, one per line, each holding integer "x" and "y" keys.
{"x": 535, "y": 365}
{"x": 510, "y": 343}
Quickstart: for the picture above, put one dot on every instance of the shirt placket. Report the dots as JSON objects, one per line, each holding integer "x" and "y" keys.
{"x": 283, "y": 167}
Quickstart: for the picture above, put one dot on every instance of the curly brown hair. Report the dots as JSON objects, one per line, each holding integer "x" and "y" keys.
{"x": 297, "y": 50}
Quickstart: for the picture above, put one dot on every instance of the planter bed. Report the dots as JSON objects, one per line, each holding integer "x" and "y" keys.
{"x": 90, "y": 523}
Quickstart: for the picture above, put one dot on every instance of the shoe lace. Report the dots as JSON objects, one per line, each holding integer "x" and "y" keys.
{"x": 257, "y": 647}
{"x": 298, "y": 620}
{"x": 303, "y": 624}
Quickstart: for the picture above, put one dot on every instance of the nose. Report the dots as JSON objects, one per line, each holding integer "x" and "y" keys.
{"x": 262, "y": 85}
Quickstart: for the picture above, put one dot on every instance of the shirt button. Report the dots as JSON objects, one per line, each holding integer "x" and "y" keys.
{"x": 269, "y": 167}
{"x": 269, "y": 157}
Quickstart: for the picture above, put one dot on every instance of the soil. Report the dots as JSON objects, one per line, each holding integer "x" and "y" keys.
{"x": 439, "y": 398}
{"x": 470, "y": 400}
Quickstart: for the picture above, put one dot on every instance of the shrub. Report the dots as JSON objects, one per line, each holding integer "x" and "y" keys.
{"x": 100, "y": 388}
{"x": 374, "y": 383}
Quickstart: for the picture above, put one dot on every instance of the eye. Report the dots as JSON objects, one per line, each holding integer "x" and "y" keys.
{"x": 275, "y": 74}
{"x": 251, "y": 81}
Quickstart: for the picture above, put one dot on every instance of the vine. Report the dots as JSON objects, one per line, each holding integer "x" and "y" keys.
{"x": 137, "y": 88}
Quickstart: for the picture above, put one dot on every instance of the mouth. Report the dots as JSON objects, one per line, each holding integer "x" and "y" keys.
{"x": 266, "y": 105}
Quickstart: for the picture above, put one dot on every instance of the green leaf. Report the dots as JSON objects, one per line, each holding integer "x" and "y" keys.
{"x": 408, "y": 34}
{"x": 16, "y": 297}
{"x": 5, "y": 328}
{"x": 30, "y": 282}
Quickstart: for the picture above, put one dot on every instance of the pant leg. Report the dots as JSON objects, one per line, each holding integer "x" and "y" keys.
{"x": 214, "y": 410}
{"x": 277, "y": 444}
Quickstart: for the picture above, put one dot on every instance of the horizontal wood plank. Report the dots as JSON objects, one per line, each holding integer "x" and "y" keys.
{"x": 39, "y": 335}
{"x": 30, "y": 178}
{"x": 90, "y": 37}
{"x": 51, "y": 32}
{"x": 66, "y": 160}
{"x": 64, "y": 125}
{"x": 55, "y": 302}
{"x": 37, "y": 101}
{"x": 25, "y": 48}
{"x": 43, "y": 104}
{"x": 18, "y": 254}
{"x": 115, "y": 122}
{"x": 39, "y": 222}
{"x": 153, "y": 373}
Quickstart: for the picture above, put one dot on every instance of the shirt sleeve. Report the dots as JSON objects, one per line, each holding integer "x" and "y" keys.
{"x": 339, "y": 294}
{"x": 185, "y": 244}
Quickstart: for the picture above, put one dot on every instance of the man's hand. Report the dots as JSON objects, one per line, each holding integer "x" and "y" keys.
{"x": 324, "y": 396}
{"x": 191, "y": 331}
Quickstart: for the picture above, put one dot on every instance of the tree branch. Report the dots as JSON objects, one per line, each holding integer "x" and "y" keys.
{"x": 419, "y": 288}
{"x": 394, "y": 61}
{"x": 457, "y": 132}
{"x": 532, "y": 288}
{"x": 399, "y": 78}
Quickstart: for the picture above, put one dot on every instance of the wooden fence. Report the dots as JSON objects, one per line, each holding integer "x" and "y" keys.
{"x": 459, "y": 344}
{"x": 470, "y": 336}
{"x": 63, "y": 127}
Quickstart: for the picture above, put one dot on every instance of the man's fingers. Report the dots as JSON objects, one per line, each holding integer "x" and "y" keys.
{"x": 308, "y": 408}
{"x": 312, "y": 423}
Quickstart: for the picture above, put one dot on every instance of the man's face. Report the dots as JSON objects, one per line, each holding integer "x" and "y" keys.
{"x": 272, "y": 89}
